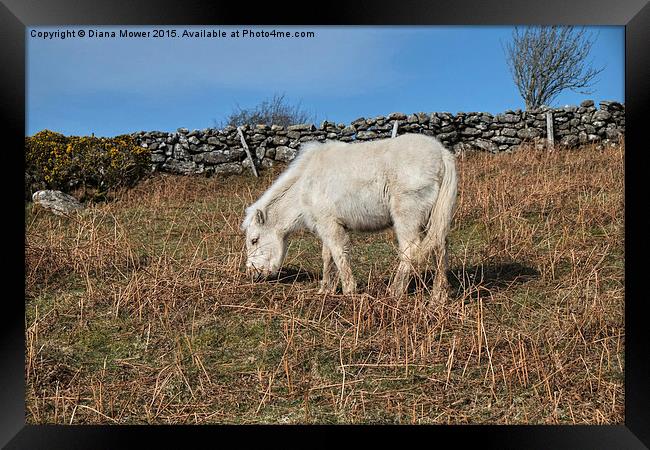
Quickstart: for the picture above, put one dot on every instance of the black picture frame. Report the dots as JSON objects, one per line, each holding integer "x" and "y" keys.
{"x": 16, "y": 15}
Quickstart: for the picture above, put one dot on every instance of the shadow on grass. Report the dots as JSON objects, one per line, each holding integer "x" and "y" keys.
{"x": 290, "y": 275}
{"x": 477, "y": 280}
{"x": 468, "y": 282}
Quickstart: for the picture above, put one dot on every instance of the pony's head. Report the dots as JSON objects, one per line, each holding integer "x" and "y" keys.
{"x": 265, "y": 245}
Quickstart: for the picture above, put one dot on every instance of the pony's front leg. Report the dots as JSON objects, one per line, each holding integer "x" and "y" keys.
{"x": 330, "y": 273}
{"x": 336, "y": 239}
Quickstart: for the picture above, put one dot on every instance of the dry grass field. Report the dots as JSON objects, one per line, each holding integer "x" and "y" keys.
{"x": 138, "y": 311}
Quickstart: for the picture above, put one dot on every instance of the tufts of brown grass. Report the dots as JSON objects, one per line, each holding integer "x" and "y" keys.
{"x": 137, "y": 311}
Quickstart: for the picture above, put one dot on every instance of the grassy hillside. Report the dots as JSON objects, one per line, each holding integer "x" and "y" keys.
{"x": 138, "y": 311}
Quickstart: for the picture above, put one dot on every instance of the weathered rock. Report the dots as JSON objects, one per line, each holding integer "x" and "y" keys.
{"x": 610, "y": 105}
{"x": 158, "y": 158}
{"x": 216, "y": 157}
{"x": 302, "y": 127}
{"x": 469, "y": 131}
{"x": 570, "y": 140}
{"x": 448, "y": 136}
{"x": 348, "y": 131}
{"x": 58, "y": 202}
{"x": 280, "y": 140}
{"x": 180, "y": 152}
{"x": 528, "y": 133}
{"x": 363, "y": 135}
{"x": 267, "y": 163}
{"x": 506, "y": 140}
{"x": 181, "y": 167}
{"x": 485, "y": 145}
{"x": 613, "y": 134}
{"x": 508, "y": 118}
{"x": 601, "y": 115}
{"x": 284, "y": 153}
{"x": 396, "y": 116}
{"x": 228, "y": 169}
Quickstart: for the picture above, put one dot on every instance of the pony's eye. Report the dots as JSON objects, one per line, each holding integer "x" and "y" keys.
{"x": 254, "y": 241}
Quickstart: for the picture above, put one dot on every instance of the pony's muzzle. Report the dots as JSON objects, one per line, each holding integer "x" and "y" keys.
{"x": 255, "y": 274}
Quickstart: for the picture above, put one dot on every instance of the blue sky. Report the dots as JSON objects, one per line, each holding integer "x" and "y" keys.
{"x": 111, "y": 86}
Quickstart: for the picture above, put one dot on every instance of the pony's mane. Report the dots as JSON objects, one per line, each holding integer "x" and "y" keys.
{"x": 284, "y": 181}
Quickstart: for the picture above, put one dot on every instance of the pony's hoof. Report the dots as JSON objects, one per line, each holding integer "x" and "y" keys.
{"x": 439, "y": 297}
{"x": 350, "y": 290}
{"x": 396, "y": 291}
{"x": 327, "y": 290}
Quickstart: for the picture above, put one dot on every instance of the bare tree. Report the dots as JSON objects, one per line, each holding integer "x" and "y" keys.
{"x": 274, "y": 111}
{"x": 545, "y": 61}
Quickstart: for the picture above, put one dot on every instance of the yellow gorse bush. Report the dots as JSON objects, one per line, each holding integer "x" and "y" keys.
{"x": 55, "y": 161}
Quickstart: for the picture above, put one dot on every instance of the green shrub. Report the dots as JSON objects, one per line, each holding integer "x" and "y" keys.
{"x": 95, "y": 164}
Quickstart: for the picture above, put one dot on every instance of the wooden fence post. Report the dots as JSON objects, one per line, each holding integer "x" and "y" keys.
{"x": 248, "y": 152}
{"x": 550, "y": 139}
{"x": 395, "y": 125}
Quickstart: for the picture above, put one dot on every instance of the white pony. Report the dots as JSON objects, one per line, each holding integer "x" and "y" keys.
{"x": 408, "y": 182}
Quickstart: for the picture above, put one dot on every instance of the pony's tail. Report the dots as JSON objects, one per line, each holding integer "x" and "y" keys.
{"x": 443, "y": 209}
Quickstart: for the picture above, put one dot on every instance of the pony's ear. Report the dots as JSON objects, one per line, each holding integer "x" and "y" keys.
{"x": 260, "y": 216}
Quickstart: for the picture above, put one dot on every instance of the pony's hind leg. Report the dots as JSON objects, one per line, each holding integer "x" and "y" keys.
{"x": 442, "y": 265}
{"x": 330, "y": 272}
{"x": 441, "y": 283}
{"x": 409, "y": 238}
{"x": 407, "y": 263}
{"x": 338, "y": 242}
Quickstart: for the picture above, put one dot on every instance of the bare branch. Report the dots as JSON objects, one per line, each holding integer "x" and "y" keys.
{"x": 545, "y": 61}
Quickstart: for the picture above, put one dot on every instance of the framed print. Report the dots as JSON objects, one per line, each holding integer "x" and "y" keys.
{"x": 241, "y": 218}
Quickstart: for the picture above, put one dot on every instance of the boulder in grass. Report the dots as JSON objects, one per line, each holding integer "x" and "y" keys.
{"x": 58, "y": 202}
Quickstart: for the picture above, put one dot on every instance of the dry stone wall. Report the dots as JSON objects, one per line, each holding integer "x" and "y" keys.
{"x": 220, "y": 151}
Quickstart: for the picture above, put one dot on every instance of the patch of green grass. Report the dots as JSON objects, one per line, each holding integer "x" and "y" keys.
{"x": 469, "y": 235}
{"x": 105, "y": 341}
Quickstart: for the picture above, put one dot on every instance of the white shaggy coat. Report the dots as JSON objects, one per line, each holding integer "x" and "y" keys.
{"x": 409, "y": 183}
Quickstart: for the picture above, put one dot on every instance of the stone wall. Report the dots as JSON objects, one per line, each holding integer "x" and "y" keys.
{"x": 219, "y": 151}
